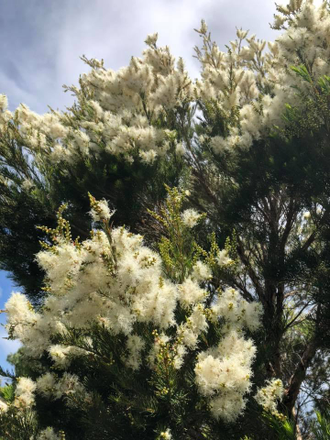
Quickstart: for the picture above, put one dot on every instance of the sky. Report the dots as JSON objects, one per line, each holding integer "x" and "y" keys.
{"x": 41, "y": 42}
{"x": 6, "y": 346}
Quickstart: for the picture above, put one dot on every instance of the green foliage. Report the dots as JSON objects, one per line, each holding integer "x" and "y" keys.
{"x": 302, "y": 72}
{"x": 321, "y": 427}
{"x": 7, "y": 392}
{"x": 253, "y": 203}
{"x": 18, "y": 426}
{"x": 283, "y": 428}
{"x": 32, "y": 190}
{"x": 126, "y": 403}
{"x": 177, "y": 247}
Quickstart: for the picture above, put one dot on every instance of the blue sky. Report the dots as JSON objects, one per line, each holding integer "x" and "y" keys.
{"x": 41, "y": 42}
{"x": 6, "y": 346}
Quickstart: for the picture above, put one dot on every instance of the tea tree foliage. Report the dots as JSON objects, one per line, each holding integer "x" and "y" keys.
{"x": 112, "y": 310}
{"x": 200, "y": 297}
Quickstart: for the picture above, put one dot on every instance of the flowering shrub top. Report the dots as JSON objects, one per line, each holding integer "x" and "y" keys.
{"x": 115, "y": 284}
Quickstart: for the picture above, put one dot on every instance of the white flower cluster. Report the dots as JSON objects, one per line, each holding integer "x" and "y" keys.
{"x": 195, "y": 325}
{"x": 101, "y": 211}
{"x": 135, "y": 344}
{"x": 54, "y": 387}
{"x": 223, "y": 373}
{"x": 120, "y": 118}
{"x": 3, "y": 103}
{"x": 24, "y": 392}
{"x": 223, "y": 258}
{"x": 166, "y": 435}
{"x": 190, "y": 217}
{"x": 113, "y": 280}
{"x": 114, "y": 284}
{"x": 5, "y": 114}
{"x": 236, "y": 311}
{"x": 269, "y": 396}
{"x": 258, "y": 83}
{"x": 117, "y": 112}
{"x": 3, "y": 406}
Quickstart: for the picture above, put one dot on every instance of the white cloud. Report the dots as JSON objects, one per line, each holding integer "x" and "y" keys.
{"x": 57, "y": 35}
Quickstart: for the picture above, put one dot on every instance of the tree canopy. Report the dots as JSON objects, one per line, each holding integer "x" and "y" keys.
{"x": 199, "y": 300}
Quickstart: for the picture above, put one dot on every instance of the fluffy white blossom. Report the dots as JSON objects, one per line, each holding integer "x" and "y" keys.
{"x": 236, "y": 311}
{"x": 269, "y": 396}
{"x": 179, "y": 149}
{"x": 190, "y": 293}
{"x": 101, "y": 211}
{"x": 190, "y": 217}
{"x": 178, "y": 359}
{"x": 223, "y": 258}
{"x": 166, "y": 435}
{"x": 3, "y": 103}
{"x": 46, "y": 384}
{"x": 227, "y": 406}
{"x": 148, "y": 156}
{"x": 3, "y": 406}
{"x": 24, "y": 392}
{"x": 135, "y": 344}
{"x": 151, "y": 39}
{"x": 201, "y": 272}
{"x": 224, "y": 374}
{"x": 62, "y": 355}
{"x": 194, "y": 326}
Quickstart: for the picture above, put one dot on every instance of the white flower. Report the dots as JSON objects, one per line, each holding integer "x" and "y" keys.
{"x": 148, "y": 157}
{"x": 101, "y": 211}
{"x": 190, "y": 293}
{"x": 60, "y": 355}
{"x": 269, "y": 395}
{"x": 179, "y": 149}
{"x": 223, "y": 373}
{"x": 201, "y": 272}
{"x": 3, "y": 406}
{"x": 46, "y": 384}
{"x": 3, "y": 103}
{"x": 195, "y": 325}
{"x": 252, "y": 315}
{"x": 190, "y": 217}
{"x": 151, "y": 39}
{"x": 227, "y": 406}
{"x": 223, "y": 259}
{"x": 166, "y": 435}
{"x": 179, "y": 356}
{"x": 24, "y": 392}
{"x": 135, "y": 344}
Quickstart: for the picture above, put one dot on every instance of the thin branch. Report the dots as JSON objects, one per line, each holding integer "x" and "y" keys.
{"x": 297, "y": 316}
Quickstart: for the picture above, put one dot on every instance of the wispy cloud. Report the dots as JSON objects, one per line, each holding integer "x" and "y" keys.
{"x": 41, "y": 42}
